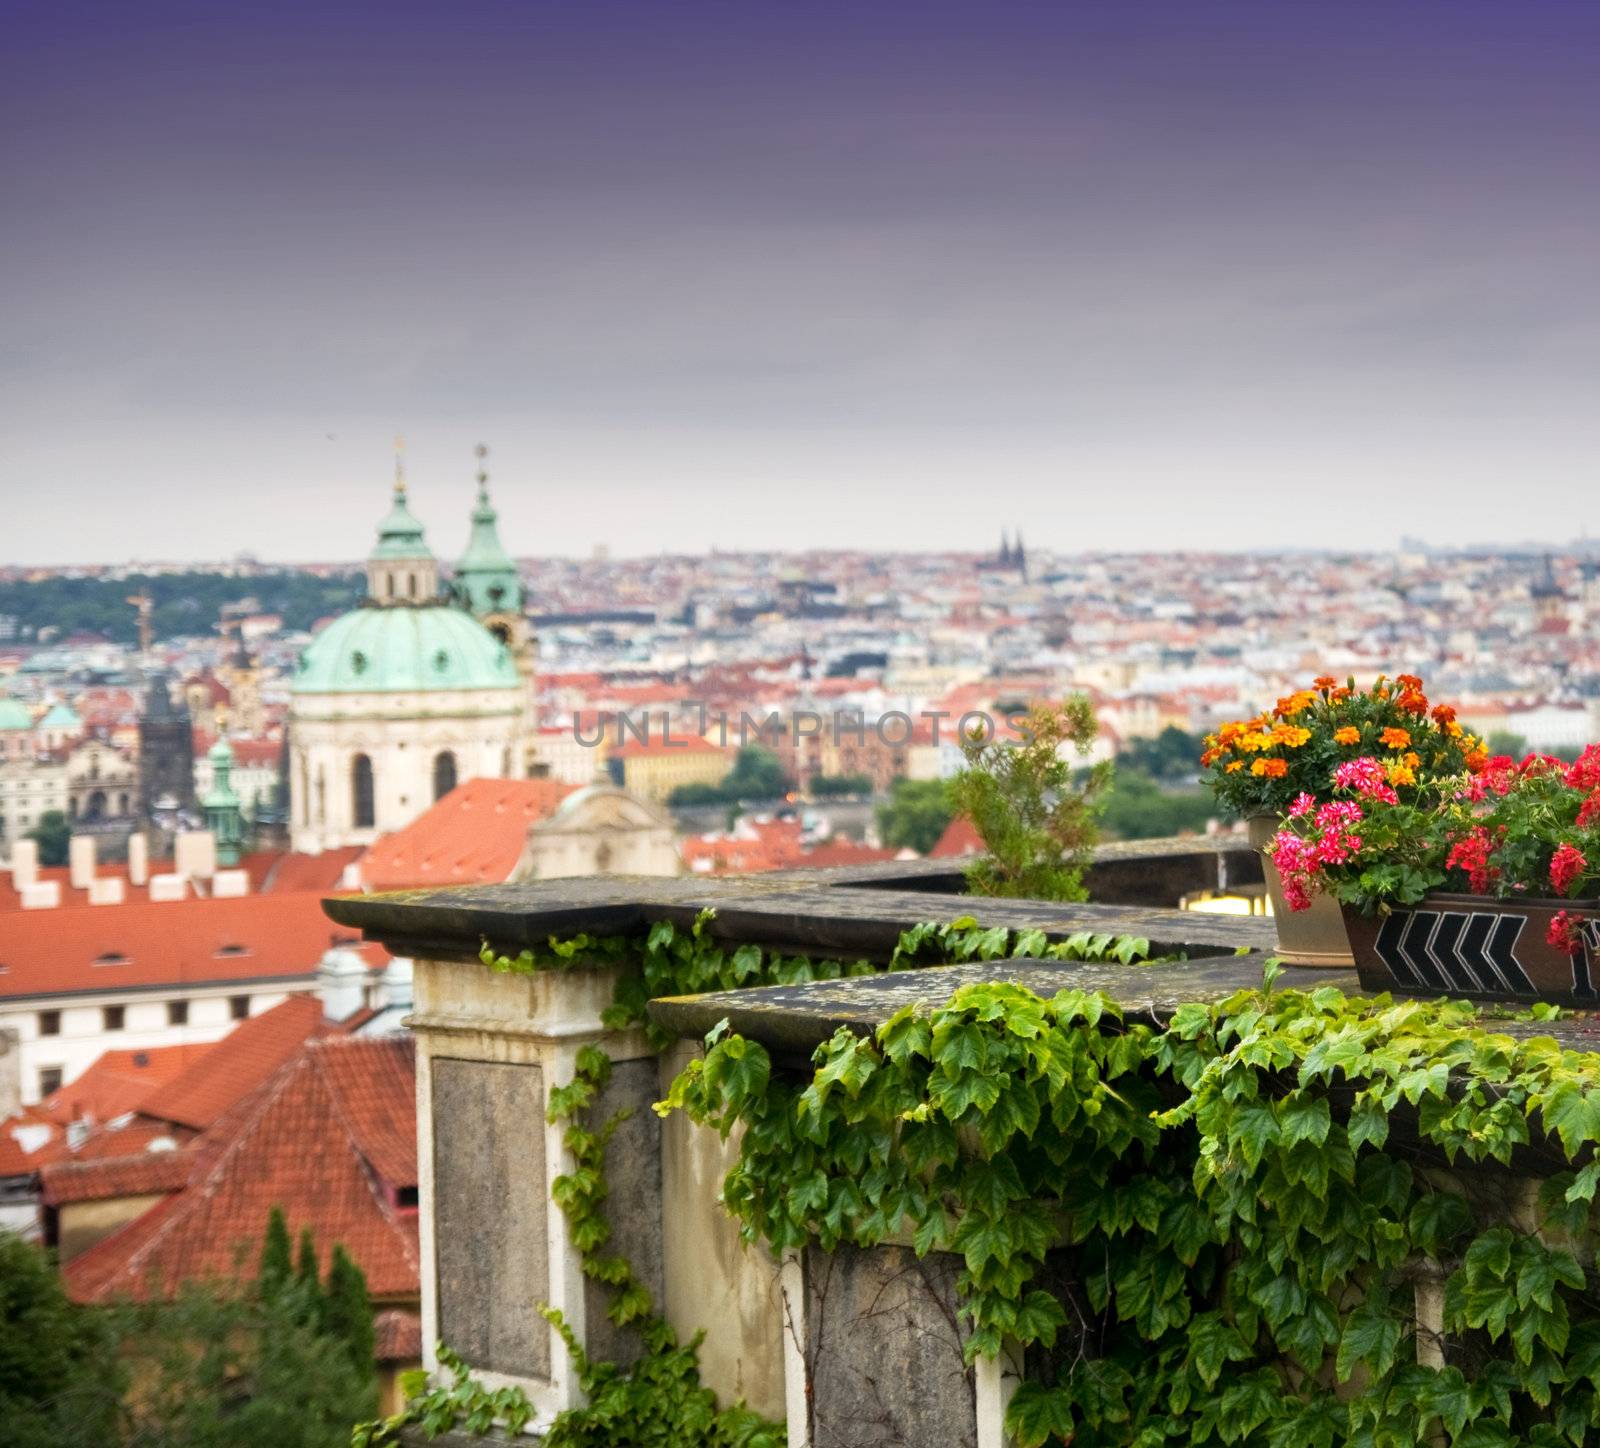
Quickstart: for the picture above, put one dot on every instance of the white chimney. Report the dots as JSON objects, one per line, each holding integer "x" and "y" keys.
{"x": 107, "y": 890}
{"x": 41, "y": 895}
{"x": 194, "y": 854}
{"x": 10, "y": 1074}
{"x": 230, "y": 884}
{"x": 168, "y": 887}
{"x": 80, "y": 861}
{"x": 138, "y": 859}
{"x": 396, "y": 982}
{"x": 24, "y": 864}
{"x": 342, "y": 983}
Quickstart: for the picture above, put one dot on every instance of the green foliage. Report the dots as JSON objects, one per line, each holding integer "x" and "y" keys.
{"x": 1234, "y": 1245}
{"x": 916, "y": 813}
{"x": 274, "y": 1270}
{"x": 215, "y": 1369}
{"x": 756, "y": 775}
{"x": 53, "y": 835}
{"x": 1172, "y": 755}
{"x": 1034, "y": 809}
{"x": 184, "y": 604}
{"x": 1137, "y": 808}
{"x": 60, "y": 1381}
{"x": 307, "y": 1271}
{"x": 347, "y": 1311}
{"x": 828, "y": 786}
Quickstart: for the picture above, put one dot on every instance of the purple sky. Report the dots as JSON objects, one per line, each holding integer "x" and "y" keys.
{"x": 889, "y": 273}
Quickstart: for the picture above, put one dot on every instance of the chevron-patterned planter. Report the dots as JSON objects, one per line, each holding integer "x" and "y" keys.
{"x": 1468, "y": 945}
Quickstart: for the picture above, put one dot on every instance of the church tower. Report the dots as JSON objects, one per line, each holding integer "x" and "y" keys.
{"x": 488, "y": 586}
{"x": 402, "y": 568}
{"x": 224, "y": 817}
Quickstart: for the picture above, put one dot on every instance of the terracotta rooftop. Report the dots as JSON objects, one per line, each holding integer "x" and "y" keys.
{"x": 473, "y": 836}
{"x": 92, "y": 948}
{"x": 329, "y": 1139}
{"x": 398, "y": 1333}
{"x": 120, "y": 1081}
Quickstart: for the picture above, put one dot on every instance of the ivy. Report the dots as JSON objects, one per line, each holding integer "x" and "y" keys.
{"x": 1238, "y": 1208}
{"x": 659, "y": 1399}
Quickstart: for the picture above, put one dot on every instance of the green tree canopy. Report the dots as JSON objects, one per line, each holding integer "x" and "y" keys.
{"x": 916, "y": 813}
{"x": 53, "y": 834}
{"x": 1033, "y": 806}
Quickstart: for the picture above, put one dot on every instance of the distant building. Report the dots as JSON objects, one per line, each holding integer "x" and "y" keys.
{"x": 653, "y": 769}
{"x": 396, "y": 701}
{"x": 166, "y": 772}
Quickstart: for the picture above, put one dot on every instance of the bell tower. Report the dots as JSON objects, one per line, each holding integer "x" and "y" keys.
{"x": 402, "y": 568}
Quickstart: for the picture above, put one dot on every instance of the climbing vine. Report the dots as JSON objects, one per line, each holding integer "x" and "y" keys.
{"x": 1213, "y": 1230}
{"x": 659, "y": 1398}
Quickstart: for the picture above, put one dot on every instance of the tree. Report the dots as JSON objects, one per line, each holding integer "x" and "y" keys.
{"x": 346, "y": 1310}
{"x": 1503, "y": 741}
{"x": 1172, "y": 754}
{"x": 916, "y": 814}
{"x": 307, "y": 1270}
{"x": 52, "y": 833}
{"x": 825, "y": 786}
{"x": 688, "y": 796}
{"x": 1137, "y": 808}
{"x": 273, "y": 1273}
{"x": 756, "y": 774}
{"x": 60, "y": 1381}
{"x": 1037, "y": 821}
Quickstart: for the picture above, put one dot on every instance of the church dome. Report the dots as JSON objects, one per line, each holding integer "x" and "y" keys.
{"x": 404, "y": 650}
{"x": 14, "y": 715}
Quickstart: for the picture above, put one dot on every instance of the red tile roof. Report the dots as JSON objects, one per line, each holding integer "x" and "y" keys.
{"x": 25, "y": 1139}
{"x": 119, "y": 1081}
{"x": 399, "y": 1336}
{"x": 269, "y": 870}
{"x": 959, "y": 838}
{"x": 92, "y": 948}
{"x": 238, "y": 1063}
{"x": 474, "y": 835}
{"x": 135, "y": 1172}
{"x": 301, "y": 1143}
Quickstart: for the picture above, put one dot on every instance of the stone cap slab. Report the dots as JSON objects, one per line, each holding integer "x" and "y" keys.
{"x": 797, "y": 1018}
{"x": 767, "y": 910}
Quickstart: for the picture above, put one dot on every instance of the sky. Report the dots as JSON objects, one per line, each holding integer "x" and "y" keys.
{"x": 1124, "y": 274}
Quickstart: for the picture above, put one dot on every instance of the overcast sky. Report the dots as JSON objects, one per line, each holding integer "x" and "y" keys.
{"x": 891, "y": 273}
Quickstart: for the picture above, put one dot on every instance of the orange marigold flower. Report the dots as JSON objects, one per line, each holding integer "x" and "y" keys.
{"x": 1412, "y": 761}
{"x": 1255, "y": 742}
{"x": 1349, "y": 734}
{"x": 1400, "y": 774}
{"x": 1292, "y": 704}
{"x": 1454, "y": 730}
{"x": 1271, "y": 768}
{"x": 1395, "y": 738}
{"x": 1235, "y": 767}
{"x": 1443, "y": 713}
{"x": 1324, "y": 681}
{"x": 1408, "y": 681}
{"x": 1476, "y": 759}
{"x": 1291, "y": 736}
{"x": 1339, "y": 695}
{"x": 1229, "y": 732}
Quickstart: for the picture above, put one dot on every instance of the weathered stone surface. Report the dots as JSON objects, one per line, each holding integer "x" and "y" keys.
{"x": 884, "y": 1350}
{"x": 818, "y": 912}
{"x": 799, "y": 1017}
{"x": 633, "y": 1202}
{"x": 491, "y": 1198}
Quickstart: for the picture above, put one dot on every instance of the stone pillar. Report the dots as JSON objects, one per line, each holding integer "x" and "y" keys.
{"x": 490, "y": 1048}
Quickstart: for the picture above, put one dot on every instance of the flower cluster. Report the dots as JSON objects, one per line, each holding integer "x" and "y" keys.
{"x": 1527, "y": 829}
{"x": 1261, "y": 765}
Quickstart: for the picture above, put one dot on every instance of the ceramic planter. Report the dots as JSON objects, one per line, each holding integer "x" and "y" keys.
{"x": 1314, "y": 937}
{"x": 1473, "y": 945}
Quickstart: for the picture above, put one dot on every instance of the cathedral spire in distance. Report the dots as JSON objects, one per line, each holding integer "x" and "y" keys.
{"x": 402, "y": 568}
{"x": 486, "y": 577}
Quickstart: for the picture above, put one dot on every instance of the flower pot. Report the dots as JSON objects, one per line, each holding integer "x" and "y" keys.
{"x": 1307, "y": 937}
{"x": 1474, "y": 945}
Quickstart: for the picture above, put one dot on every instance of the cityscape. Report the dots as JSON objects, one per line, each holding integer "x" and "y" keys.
{"x": 749, "y": 725}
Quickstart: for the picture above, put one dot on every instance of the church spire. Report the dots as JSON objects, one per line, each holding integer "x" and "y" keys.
{"x": 486, "y": 577}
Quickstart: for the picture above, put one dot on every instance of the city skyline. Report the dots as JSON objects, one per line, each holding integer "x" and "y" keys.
{"x": 729, "y": 276}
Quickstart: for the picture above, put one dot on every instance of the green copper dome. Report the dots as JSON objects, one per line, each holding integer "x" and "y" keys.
{"x": 486, "y": 578}
{"x": 401, "y": 650}
{"x": 14, "y": 715}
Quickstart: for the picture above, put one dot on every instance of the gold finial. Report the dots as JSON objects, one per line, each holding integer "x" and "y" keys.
{"x": 399, "y": 466}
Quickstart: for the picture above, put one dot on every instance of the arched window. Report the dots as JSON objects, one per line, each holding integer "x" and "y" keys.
{"x": 444, "y": 774}
{"x": 361, "y": 792}
{"x": 411, "y": 585}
